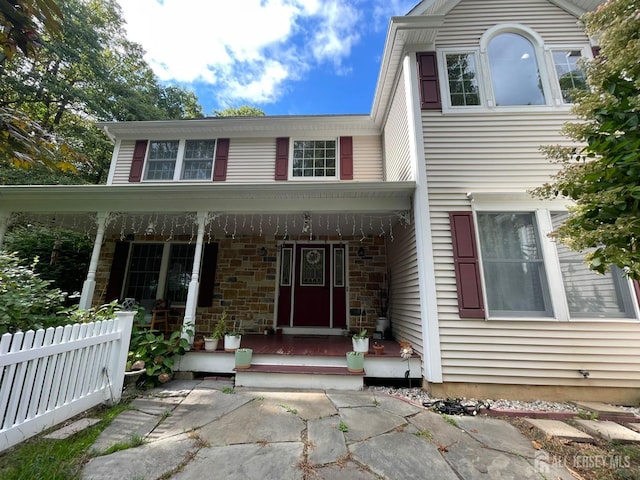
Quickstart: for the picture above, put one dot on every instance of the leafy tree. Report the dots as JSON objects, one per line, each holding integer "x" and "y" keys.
{"x": 243, "y": 111}
{"x": 21, "y": 22}
{"x": 89, "y": 72}
{"x": 601, "y": 176}
{"x": 26, "y": 300}
{"x": 63, "y": 254}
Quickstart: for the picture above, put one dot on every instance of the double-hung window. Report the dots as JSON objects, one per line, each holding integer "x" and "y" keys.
{"x": 528, "y": 275}
{"x": 462, "y": 73}
{"x": 569, "y": 72}
{"x": 180, "y": 160}
{"x": 314, "y": 158}
{"x": 161, "y": 160}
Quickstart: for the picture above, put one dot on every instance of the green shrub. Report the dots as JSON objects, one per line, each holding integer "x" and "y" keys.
{"x": 156, "y": 351}
{"x": 26, "y": 300}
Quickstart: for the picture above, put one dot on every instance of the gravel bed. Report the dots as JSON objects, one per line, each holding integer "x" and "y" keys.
{"x": 418, "y": 396}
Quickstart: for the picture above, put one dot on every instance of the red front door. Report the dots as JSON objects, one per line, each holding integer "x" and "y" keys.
{"x": 312, "y": 286}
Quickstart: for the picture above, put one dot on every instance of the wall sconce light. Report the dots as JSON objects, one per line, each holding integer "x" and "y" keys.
{"x": 262, "y": 251}
{"x": 361, "y": 252}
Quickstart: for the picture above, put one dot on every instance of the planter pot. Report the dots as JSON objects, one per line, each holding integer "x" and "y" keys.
{"x": 382, "y": 325}
{"x": 378, "y": 349}
{"x": 210, "y": 344}
{"x": 355, "y": 362}
{"x": 243, "y": 357}
{"x": 131, "y": 378}
{"x": 360, "y": 344}
{"x": 231, "y": 342}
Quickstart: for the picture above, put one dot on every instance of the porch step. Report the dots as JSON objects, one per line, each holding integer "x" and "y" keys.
{"x": 299, "y": 376}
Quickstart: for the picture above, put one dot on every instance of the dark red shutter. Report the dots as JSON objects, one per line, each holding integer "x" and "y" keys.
{"x": 282, "y": 158}
{"x": 467, "y": 266}
{"x": 116, "y": 274}
{"x": 428, "y": 81}
{"x": 595, "y": 50}
{"x": 139, "y": 152}
{"x": 208, "y": 274}
{"x": 346, "y": 158}
{"x": 636, "y": 288}
{"x": 222, "y": 157}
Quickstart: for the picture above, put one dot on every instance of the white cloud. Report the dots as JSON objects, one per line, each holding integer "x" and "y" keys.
{"x": 247, "y": 49}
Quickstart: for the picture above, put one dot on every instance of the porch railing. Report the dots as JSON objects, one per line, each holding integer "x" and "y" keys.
{"x": 49, "y": 376}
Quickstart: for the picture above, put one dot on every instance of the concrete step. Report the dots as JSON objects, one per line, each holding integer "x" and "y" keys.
{"x": 560, "y": 430}
{"x": 603, "y": 409}
{"x": 610, "y": 431}
{"x": 299, "y": 376}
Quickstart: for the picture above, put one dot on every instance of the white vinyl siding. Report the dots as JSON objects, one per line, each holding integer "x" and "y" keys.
{"x": 252, "y": 160}
{"x": 469, "y": 20}
{"x": 123, "y": 162}
{"x": 396, "y": 137}
{"x": 405, "y": 310}
{"x": 493, "y": 153}
{"x": 367, "y": 159}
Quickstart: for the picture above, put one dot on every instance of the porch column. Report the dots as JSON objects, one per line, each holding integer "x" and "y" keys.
{"x": 4, "y": 224}
{"x": 194, "y": 285}
{"x": 89, "y": 285}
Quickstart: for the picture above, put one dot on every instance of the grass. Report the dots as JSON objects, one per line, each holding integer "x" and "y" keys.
{"x": 289, "y": 409}
{"x": 135, "y": 441}
{"x": 228, "y": 390}
{"x": 44, "y": 459}
{"x": 424, "y": 434}
{"x": 449, "y": 420}
{"x": 343, "y": 427}
{"x": 600, "y": 461}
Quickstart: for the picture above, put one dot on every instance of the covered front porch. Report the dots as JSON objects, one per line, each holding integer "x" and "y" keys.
{"x": 307, "y": 361}
{"x": 308, "y": 259}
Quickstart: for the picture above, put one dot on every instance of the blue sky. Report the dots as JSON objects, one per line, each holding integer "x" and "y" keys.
{"x": 287, "y": 57}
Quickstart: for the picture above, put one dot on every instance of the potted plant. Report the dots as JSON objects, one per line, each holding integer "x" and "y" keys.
{"x": 360, "y": 341}
{"x": 355, "y": 362}
{"x": 378, "y": 348}
{"x": 232, "y": 338}
{"x": 243, "y": 357}
{"x": 211, "y": 343}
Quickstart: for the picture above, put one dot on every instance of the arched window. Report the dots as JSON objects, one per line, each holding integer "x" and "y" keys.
{"x": 514, "y": 71}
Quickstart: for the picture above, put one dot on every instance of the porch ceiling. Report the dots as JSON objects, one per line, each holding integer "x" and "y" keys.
{"x": 169, "y": 211}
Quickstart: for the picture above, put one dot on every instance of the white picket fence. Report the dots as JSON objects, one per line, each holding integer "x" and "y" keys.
{"x": 49, "y": 376}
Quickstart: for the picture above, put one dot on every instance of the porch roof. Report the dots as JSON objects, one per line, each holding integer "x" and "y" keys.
{"x": 330, "y": 197}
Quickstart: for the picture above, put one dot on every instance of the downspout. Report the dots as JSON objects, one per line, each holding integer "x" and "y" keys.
{"x": 89, "y": 286}
{"x": 432, "y": 362}
{"x": 188, "y": 322}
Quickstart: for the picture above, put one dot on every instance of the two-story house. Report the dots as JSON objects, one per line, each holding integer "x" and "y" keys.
{"x": 302, "y": 223}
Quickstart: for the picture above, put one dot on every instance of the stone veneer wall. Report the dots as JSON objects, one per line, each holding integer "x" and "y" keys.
{"x": 245, "y": 281}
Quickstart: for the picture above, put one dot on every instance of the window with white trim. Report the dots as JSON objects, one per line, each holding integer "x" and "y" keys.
{"x": 314, "y": 158}
{"x": 515, "y": 75}
{"x": 159, "y": 270}
{"x": 463, "y": 79}
{"x": 527, "y": 275}
{"x": 511, "y": 68}
{"x": 569, "y": 73}
{"x": 180, "y": 160}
